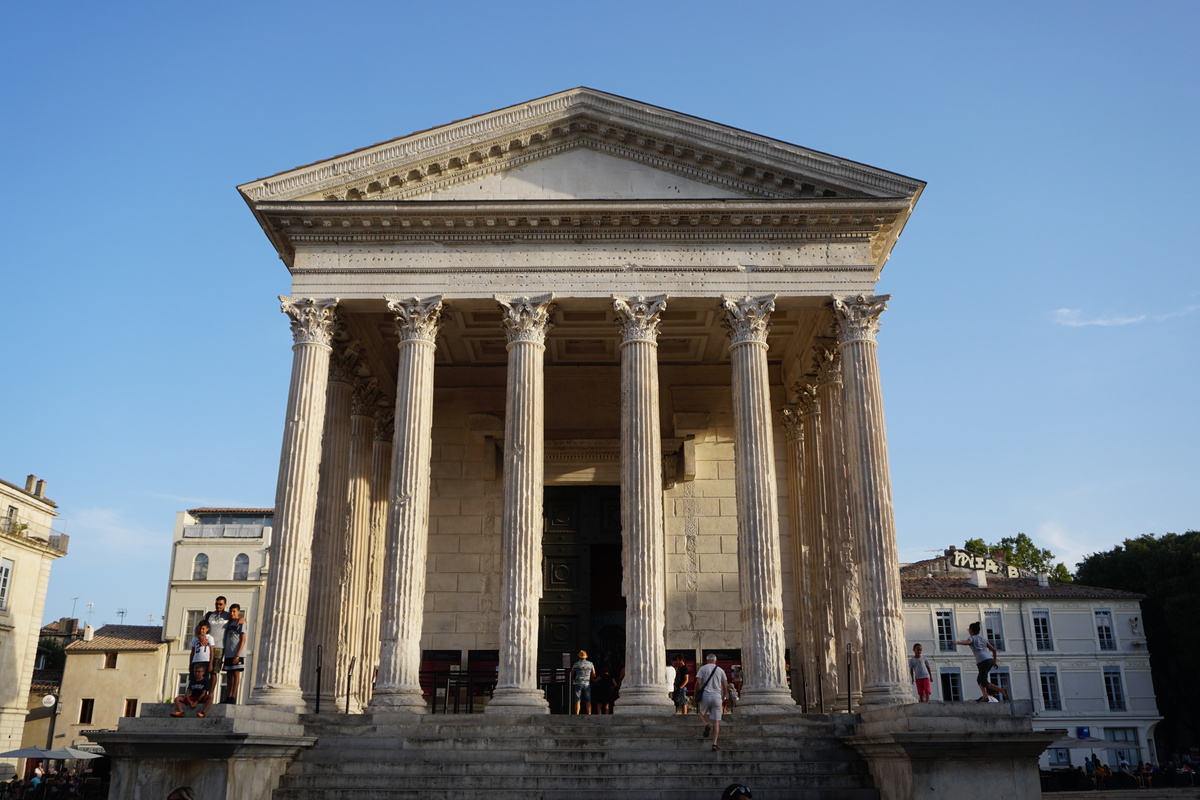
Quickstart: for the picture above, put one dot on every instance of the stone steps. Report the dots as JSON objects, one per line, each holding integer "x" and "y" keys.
{"x": 393, "y": 756}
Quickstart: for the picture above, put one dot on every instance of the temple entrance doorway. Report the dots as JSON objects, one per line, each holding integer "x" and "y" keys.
{"x": 582, "y": 606}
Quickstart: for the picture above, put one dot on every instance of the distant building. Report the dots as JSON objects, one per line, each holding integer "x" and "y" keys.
{"x": 1074, "y": 656}
{"x": 217, "y": 552}
{"x": 108, "y": 675}
{"x": 28, "y": 546}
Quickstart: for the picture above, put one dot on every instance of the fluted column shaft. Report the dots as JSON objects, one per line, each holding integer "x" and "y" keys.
{"x": 376, "y": 551}
{"x": 885, "y": 678}
{"x": 804, "y": 641}
{"x": 824, "y": 677}
{"x": 354, "y": 594}
{"x": 325, "y": 609}
{"x": 760, "y": 579}
{"x": 399, "y": 685}
{"x": 526, "y": 321}
{"x": 644, "y": 539}
{"x": 277, "y": 667}
{"x": 841, "y": 554}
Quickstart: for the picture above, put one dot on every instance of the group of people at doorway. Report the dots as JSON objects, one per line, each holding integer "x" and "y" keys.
{"x": 986, "y": 659}
{"x": 228, "y": 627}
{"x": 713, "y": 691}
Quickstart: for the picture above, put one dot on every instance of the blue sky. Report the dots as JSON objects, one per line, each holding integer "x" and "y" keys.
{"x": 1038, "y": 358}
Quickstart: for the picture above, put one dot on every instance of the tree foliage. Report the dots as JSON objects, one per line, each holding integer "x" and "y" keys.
{"x": 1167, "y": 570}
{"x": 56, "y": 654}
{"x": 1020, "y": 551}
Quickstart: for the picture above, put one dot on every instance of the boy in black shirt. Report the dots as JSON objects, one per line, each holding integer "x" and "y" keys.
{"x": 197, "y": 692}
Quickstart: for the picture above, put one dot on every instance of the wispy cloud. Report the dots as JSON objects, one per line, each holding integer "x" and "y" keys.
{"x": 111, "y": 529}
{"x": 1073, "y": 317}
{"x": 1068, "y": 547}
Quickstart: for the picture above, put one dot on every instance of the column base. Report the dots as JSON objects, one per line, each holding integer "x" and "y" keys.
{"x": 286, "y": 699}
{"x": 766, "y": 701}
{"x": 408, "y": 702}
{"x": 644, "y": 700}
{"x": 886, "y": 695}
{"x": 517, "y": 701}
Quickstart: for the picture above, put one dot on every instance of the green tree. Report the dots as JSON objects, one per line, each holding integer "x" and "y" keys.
{"x": 1020, "y": 551}
{"x": 1167, "y": 570}
{"x": 56, "y": 654}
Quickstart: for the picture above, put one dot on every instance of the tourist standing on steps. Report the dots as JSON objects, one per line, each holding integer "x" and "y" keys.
{"x": 216, "y": 620}
{"x": 583, "y": 672}
{"x": 235, "y": 642}
{"x": 681, "y": 682}
{"x": 980, "y": 647}
{"x": 710, "y": 689}
{"x": 671, "y": 679}
{"x": 921, "y": 674}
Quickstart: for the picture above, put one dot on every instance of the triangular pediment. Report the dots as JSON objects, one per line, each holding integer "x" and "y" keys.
{"x": 581, "y": 145}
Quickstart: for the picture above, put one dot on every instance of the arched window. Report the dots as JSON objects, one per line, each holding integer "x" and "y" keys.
{"x": 200, "y": 568}
{"x": 241, "y": 567}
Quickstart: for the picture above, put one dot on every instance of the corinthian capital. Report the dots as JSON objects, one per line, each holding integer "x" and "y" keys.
{"x": 790, "y": 414}
{"x": 806, "y": 398}
{"x": 417, "y": 320}
{"x": 385, "y": 417}
{"x": 313, "y": 321}
{"x": 639, "y": 318}
{"x": 343, "y": 366}
{"x": 526, "y": 319}
{"x": 365, "y": 398}
{"x": 858, "y": 319}
{"x": 747, "y": 320}
{"x": 827, "y": 361}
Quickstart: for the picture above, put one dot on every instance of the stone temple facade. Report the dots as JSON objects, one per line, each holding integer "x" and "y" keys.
{"x": 583, "y": 372}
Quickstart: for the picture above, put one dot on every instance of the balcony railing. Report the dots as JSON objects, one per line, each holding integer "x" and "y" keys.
{"x": 16, "y": 526}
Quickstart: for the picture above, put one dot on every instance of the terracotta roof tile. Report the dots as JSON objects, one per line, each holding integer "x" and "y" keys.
{"x": 1015, "y": 588}
{"x": 121, "y": 637}
{"x": 46, "y": 679}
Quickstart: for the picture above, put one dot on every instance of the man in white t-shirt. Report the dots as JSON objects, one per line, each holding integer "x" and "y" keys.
{"x": 710, "y": 690}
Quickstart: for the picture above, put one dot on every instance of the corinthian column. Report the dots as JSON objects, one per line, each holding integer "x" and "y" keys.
{"x": 376, "y": 551}
{"x": 330, "y": 565}
{"x": 277, "y": 667}
{"x": 526, "y": 321}
{"x": 841, "y": 554}
{"x": 399, "y": 683}
{"x": 885, "y": 681}
{"x": 355, "y": 595}
{"x": 644, "y": 541}
{"x": 760, "y": 579}
{"x": 804, "y": 642}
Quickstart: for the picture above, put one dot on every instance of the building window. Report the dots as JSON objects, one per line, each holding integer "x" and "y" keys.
{"x": 945, "y": 629}
{"x": 241, "y": 567}
{"x": 6, "y": 568}
{"x": 995, "y": 628}
{"x": 1112, "y": 688}
{"x": 86, "y": 705}
{"x": 110, "y": 660}
{"x": 951, "y": 685}
{"x": 999, "y": 677}
{"x": 1104, "y": 630}
{"x": 1041, "y": 629}
{"x": 1121, "y": 735}
{"x": 200, "y": 568}
{"x": 1051, "y": 699}
{"x": 130, "y": 708}
{"x": 189, "y": 627}
{"x": 1059, "y": 757}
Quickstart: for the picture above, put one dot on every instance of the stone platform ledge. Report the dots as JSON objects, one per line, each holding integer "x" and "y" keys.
{"x": 928, "y": 750}
{"x": 234, "y": 753}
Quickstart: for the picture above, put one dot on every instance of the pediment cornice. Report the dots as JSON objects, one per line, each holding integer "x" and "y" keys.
{"x": 728, "y": 158}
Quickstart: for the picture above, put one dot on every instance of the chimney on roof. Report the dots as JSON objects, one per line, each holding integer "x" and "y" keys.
{"x": 88, "y": 633}
{"x": 29, "y": 482}
{"x": 40, "y": 491}
{"x": 1043, "y": 580}
{"x": 978, "y": 578}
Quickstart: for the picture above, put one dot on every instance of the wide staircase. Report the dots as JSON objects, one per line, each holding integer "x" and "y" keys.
{"x": 497, "y": 757}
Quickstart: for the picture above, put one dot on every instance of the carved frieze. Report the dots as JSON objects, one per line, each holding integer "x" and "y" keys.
{"x": 313, "y": 321}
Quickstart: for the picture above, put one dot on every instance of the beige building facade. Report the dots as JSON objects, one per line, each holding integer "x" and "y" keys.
{"x": 583, "y": 373}
{"x": 216, "y": 552}
{"x": 29, "y": 545}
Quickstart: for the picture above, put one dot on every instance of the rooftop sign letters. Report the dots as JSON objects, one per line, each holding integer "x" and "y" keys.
{"x": 961, "y": 558}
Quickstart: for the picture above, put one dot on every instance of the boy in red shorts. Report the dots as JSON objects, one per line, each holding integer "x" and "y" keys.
{"x": 922, "y": 675}
{"x": 198, "y": 692}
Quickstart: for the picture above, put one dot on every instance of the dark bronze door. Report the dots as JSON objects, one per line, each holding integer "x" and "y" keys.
{"x": 582, "y": 606}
